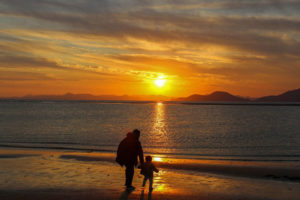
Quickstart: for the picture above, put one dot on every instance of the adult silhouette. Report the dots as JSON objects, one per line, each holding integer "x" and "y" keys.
{"x": 129, "y": 149}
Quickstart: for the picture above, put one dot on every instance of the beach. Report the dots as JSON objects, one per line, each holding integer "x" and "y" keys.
{"x": 65, "y": 174}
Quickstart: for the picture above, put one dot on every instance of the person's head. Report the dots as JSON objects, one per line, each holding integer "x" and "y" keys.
{"x": 148, "y": 158}
{"x": 136, "y": 133}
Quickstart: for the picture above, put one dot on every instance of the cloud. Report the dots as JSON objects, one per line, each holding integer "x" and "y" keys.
{"x": 230, "y": 39}
{"x": 248, "y": 34}
{"x": 259, "y": 6}
{"x": 22, "y": 76}
{"x": 21, "y": 61}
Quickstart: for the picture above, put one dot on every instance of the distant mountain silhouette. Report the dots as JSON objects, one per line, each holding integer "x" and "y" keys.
{"x": 70, "y": 96}
{"x": 215, "y": 96}
{"x": 218, "y": 96}
{"x": 290, "y": 96}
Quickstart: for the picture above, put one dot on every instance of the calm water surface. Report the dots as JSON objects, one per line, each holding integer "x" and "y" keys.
{"x": 260, "y": 132}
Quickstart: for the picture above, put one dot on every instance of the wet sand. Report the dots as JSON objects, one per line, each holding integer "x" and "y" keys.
{"x": 48, "y": 174}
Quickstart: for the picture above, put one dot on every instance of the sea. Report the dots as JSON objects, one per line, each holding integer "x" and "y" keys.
{"x": 231, "y": 150}
{"x": 222, "y": 132}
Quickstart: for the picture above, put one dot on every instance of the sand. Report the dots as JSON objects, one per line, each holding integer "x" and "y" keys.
{"x": 53, "y": 174}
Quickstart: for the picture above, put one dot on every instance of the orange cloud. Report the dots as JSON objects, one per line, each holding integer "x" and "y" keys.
{"x": 119, "y": 47}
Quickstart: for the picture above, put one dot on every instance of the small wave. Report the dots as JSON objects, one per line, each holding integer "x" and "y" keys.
{"x": 193, "y": 156}
{"x": 49, "y": 146}
{"x": 87, "y": 158}
{"x": 4, "y": 156}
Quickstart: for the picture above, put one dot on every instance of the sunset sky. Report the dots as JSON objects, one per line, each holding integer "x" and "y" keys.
{"x": 246, "y": 47}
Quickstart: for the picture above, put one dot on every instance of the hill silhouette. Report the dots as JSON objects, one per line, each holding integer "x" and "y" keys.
{"x": 289, "y": 96}
{"x": 215, "y": 96}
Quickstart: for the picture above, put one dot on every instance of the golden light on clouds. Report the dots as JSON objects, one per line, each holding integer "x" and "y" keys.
{"x": 120, "y": 47}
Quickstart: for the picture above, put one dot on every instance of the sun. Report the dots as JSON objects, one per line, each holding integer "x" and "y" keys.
{"x": 160, "y": 81}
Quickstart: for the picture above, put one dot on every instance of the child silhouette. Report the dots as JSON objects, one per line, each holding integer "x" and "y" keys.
{"x": 147, "y": 169}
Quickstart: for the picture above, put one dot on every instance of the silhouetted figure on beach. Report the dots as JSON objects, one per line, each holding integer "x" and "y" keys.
{"x": 129, "y": 149}
{"x": 147, "y": 170}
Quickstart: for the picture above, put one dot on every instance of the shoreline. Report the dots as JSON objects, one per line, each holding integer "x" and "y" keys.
{"x": 255, "y": 169}
{"x": 94, "y": 148}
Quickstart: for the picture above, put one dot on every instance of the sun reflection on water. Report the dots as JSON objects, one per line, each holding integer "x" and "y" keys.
{"x": 159, "y": 122}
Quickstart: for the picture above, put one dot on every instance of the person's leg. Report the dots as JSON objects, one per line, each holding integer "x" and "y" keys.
{"x": 129, "y": 174}
{"x": 144, "y": 181}
{"x": 150, "y": 183}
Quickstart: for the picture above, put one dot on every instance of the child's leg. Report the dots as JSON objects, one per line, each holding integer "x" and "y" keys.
{"x": 144, "y": 181}
{"x": 150, "y": 183}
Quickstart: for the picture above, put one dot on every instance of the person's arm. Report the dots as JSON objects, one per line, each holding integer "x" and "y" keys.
{"x": 140, "y": 153}
{"x": 120, "y": 153}
{"x": 155, "y": 169}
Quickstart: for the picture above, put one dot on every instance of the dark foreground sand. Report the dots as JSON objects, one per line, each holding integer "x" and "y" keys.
{"x": 48, "y": 175}
{"x": 56, "y": 194}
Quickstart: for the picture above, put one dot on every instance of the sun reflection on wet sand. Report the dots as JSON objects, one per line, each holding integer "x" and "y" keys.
{"x": 160, "y": 185}
{"x": 157, "y": 159}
